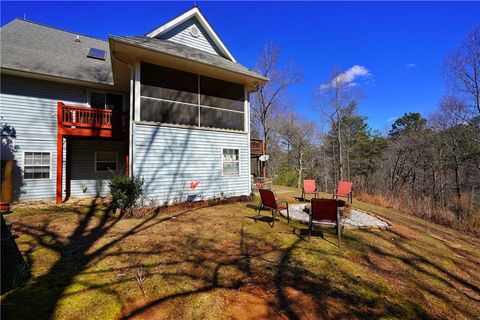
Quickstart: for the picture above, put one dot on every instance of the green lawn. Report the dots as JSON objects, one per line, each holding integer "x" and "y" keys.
{"x": 216, "y": 262}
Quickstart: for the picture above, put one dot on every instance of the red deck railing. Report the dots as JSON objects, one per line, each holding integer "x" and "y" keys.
{"x": 85, "y": 121}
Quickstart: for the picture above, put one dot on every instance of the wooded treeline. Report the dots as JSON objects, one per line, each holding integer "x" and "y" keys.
{"x": 427, "y": 165}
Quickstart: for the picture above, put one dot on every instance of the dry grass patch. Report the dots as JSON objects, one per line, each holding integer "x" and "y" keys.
{"x": 217, "y": 263}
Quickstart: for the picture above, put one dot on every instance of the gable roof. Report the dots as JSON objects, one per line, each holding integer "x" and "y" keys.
{"x": 197, "y": 14}
{"x": 31, "y": 47}
{"x": 186, "y": 52}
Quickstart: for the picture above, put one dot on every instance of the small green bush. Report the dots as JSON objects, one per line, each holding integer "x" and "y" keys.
{"x": 125, "y": 191}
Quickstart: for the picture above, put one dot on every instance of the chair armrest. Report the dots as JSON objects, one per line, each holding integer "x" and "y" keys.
{"x": 283, "y": 201}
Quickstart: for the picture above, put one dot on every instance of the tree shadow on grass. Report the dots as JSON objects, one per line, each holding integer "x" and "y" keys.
{"x": 75, "y": 252}
{"x": 216, "y": 255}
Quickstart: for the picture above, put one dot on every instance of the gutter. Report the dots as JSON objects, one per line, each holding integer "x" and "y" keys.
{"x": 133, "y": 43}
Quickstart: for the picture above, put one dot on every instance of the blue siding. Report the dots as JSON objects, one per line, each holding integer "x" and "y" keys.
{"x": 85, "y": 181}
{"x": 30, "y": 107}
{"x": 170, "y": 158}
{"x": 181, "y": 34}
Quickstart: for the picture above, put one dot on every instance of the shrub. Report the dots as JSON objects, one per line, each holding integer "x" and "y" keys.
{"x": 125, "y": 191}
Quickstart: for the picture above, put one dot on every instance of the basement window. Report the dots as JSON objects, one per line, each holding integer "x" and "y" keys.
{"x": 95, "y": 53}
{"x": 36, "y": 165}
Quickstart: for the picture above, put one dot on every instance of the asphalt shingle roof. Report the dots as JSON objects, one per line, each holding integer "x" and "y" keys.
{"x": 31, "y": 47}
{"x": 187, "y": 52}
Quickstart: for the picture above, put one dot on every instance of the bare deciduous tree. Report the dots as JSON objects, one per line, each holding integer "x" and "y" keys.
{"x": 462, "y": 70}
{"x": 298, "y": 137}
{"x": 271, "y": 99}
{"x": 336, "y": 100}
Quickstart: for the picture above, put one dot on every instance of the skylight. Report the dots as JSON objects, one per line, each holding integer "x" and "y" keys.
{"x": 96, "y": 54}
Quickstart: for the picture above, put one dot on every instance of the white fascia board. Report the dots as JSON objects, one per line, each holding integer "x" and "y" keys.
{"x": 194, "y": 12}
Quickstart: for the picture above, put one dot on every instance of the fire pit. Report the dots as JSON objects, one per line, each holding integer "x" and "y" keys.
{"x": 355, "y": 219}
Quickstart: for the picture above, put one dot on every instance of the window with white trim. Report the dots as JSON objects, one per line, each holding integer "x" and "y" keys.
{"x": 230, "y": 162}
{"x": 36, "y": 165}
{"x": 106, "y": 161}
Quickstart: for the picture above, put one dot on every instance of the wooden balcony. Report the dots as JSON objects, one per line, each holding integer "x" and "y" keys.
{"x": 90, "y": 122}
{"x": 257, "y": 148}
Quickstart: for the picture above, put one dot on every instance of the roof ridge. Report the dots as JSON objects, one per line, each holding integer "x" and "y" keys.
{"x": 56, "y": 28}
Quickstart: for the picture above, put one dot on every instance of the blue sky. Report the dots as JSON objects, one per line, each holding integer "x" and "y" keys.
{"x": 401, "y": 44}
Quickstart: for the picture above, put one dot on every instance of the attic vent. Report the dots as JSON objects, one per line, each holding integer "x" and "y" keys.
{"x": 96, "y": 54}
{"x": 194, "y": 31}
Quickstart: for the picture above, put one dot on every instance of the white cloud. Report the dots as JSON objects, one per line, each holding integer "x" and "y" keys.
{"x": 411, "y": 66}
{"x": 391, "y": 119}
{"x": 348, "y": 77}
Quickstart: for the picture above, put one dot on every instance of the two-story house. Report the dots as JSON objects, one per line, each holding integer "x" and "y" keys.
{"x": 171, "y": 106}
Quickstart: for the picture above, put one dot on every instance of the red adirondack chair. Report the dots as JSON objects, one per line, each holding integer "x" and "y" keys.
{"x": 268, "y": 201}
{"x": 344, "y": 189}
{"x": 325, "y": 212}
{"x": 309, "y": 187}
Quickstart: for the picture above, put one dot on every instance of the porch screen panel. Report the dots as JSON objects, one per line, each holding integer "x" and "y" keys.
{"x": 169, "y": 84}
{"x": 179, "y": 97}
{"x": 221, "y": 94}
{"x": 221, "y": 119}
{"x": 168, "y": 112}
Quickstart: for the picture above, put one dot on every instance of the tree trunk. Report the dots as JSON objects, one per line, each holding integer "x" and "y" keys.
{"x": 300, "y": 170}
{"x": 340, "y": 151}
{"x": 457, "y": 185}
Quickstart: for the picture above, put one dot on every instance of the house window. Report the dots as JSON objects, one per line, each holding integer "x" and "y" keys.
{"x": 105, "y": 161}
{"x": 36, "y": 165}
{"x": 231, "y": 162}
{"x": 106, "y": 100}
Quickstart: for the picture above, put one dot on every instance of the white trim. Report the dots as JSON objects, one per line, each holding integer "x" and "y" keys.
{"x": 137, "y": 90}
{"x": 194, "y": 12}
{"x": 199, "y": 99}
{"x": 130, "y": 121}
{"x": 184, "y": 126}
{"x": 239, "y": 163}
{"x": 33, "y": 165}
{"x": 247, "y": 128}
{"x": 95, "y": 162}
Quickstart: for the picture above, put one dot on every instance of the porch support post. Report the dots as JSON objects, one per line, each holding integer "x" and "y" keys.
{"x": 68, "y": 168}
{"x": 264, "y": 163}
{"x": 59, "y": 153}
{"x": 59, "y": 167}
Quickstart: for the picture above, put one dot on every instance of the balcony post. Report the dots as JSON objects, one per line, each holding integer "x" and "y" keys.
{"x": 68, "y": 168}
{"x": 59, "y": 153}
